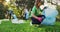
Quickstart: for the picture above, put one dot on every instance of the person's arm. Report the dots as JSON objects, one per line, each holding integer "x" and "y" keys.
{"x": 33, "y": 12}
{"x": 34, "y": 16}
{"x": 38, "y": 18}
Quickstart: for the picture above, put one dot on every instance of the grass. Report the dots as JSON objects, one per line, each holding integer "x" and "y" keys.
{"x": 9, "y": 27}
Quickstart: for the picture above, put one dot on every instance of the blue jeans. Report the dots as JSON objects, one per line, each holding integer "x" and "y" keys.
{"x": 26, "y": 16}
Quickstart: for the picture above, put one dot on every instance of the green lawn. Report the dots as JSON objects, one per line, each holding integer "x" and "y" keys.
{"x": 9, "y": 27}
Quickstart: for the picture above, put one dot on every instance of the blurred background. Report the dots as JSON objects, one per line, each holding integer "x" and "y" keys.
{"x": 17, "y": 6}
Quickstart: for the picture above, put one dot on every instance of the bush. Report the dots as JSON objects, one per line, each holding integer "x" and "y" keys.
{"x": 58, "y": 8}
{"x": 1, "y": 11}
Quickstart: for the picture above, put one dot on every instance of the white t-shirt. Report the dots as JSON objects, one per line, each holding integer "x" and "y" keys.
{"x": 26, "y": 10}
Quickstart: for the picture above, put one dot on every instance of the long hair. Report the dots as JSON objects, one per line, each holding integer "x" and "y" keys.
{"x": 39, "y": 1}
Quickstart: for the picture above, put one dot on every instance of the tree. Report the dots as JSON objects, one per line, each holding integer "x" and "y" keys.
{"x": 1, "y": 11}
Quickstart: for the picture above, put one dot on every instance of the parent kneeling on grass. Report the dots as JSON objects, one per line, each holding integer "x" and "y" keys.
{"x": 50, "y": 15}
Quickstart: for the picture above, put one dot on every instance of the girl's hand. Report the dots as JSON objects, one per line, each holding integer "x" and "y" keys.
{"x": 39, "y": 19}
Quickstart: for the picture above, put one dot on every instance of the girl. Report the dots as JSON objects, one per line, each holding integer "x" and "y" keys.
{"x": 26, "y": 12}
{"x": 36, "y": 15}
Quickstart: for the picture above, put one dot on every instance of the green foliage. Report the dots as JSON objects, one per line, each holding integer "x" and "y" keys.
{"x": 58, "y": 8}
{"x": 18, "y": 11}
{"x": 29, "y": 3}
{"x": 2, "y": 11}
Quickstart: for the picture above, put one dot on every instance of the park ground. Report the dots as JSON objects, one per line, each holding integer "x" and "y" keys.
{"x": 8, "y": 26}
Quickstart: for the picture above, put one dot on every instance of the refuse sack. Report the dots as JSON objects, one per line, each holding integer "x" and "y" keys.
{"x": 50, "y": 15}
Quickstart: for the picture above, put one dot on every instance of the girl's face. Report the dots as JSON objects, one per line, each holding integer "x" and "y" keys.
{"x": 39, "y": 4}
